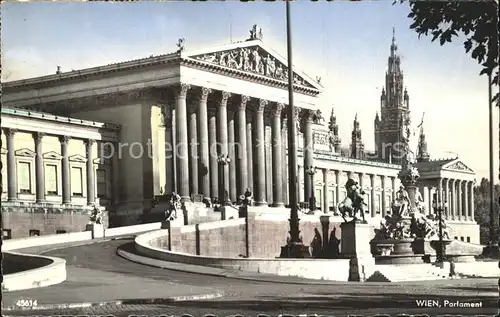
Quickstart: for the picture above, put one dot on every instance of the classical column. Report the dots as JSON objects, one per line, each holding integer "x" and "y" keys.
{"x": 384, "y": 210}
{"x": 39, "y": 168}
{"x": 90, "y": 172}
{"x": 193, "y": 147}
{"x": 284, "y": 160}
{"x": 300, "y": 181}
{"x": 277, "y": 156}
{"x": 471, "y": 200}
{"x": 169, "y": 150}
{"x": 453, "y": 199}
{"x": 393, "y": 185}
{"x": 242, "y": 148}
{"x": 326, "y": 204}
{"x": 440, "y": 197}
{"x": 446, "y": 197}
{"x": 465, "y": 211}
{"x": 233, "y": 190}
{"x": 260, "y": 191}
{"x": 115, "y": 166}
{"x": 182, "y": 142}
{"x": 222, "y": 139}
{"x": 372, "y": 184}
{"x": 65, "y": 171}
{"x": 212, "y": 140}
{"x": 11, "y": 165}
{"x": 459, "y": 200}
{"x": 337, "y": 190}
{"x": 204, "y": 144}
{"x": 250, "y": 161}
{"x": 361, "y": 183}
{"x": 308, "y": 152}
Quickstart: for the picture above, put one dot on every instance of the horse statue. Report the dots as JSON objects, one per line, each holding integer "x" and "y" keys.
{"x": 353, "y": 203}
{"x": 173, "y": 205}
{"x": 96, "y": 216}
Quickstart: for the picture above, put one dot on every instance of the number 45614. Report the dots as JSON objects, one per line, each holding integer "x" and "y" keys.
{"x": 26, "y": 303}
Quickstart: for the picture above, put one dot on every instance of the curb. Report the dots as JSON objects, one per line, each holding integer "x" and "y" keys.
{"x": 144, "y": 301}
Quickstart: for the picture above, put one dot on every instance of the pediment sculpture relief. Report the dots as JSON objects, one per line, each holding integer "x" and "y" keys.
{"x": 459, "y": 166}
{"x": 254, "y": 60}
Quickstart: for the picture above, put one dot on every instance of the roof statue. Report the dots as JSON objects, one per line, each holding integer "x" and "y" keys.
{"x": 256, "y": 33}
{"x": 181, "y": 45}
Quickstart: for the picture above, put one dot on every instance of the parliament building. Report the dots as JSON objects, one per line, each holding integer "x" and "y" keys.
{"x": 119, "y": 135}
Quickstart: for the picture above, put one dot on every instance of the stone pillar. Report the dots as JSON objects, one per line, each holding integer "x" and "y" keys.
{"x": 300, "y": 181}
{"x": 39, "y": 168}
{"x": 384, "y": 203}
{"x": 169, "y": 150}
{"x": 250, "y": 161}
{"x": 308, "y": 152}
{"x": 372, "y": 185}
{"x": 90, "y": 172}
{"x": 326, "y": 204}
{"x": 260, "y": 191}
{"x": 182, "y": 142}
{"x": 11, "y": 165}
{"x": 233, "y": 190}
{"x": 459, "y": 200}
{"x": 193, "y": 148}
{"x": 65, "y": 170}
{"x": 241, "y": 152}
{"x": 446, "y": 197}
{"x": 222, "y": 139}
{"x": 115, "y": 166}
{"x": 277, "y": 156}
{"x": 453, "y": 200}
{"x": 204, "y": 144}
{"x": 337, "y": 190}
{"x": 393, "y": 185}
{"x": 212, "y": 141}
{"x": 174, "y": 152}
{"x": 471, "y": 199}
{"x": 440, "y": 197}
{"x": 361, "y": 183}
{"x": 465, "y": 211}
{"x": 284, "y": 160}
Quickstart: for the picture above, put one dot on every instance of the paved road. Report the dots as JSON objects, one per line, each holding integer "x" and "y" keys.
{"x": 251, "y": 297}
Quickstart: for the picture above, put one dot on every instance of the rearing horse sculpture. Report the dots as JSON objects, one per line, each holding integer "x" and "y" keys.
{"x": 354, "y": 202}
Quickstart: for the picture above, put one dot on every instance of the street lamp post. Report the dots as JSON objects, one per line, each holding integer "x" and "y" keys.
{"x": 439, "y": 207}
{"x": 311, "y": 171}
{"x": 294, "y": 248}
{"x": 223, "y": 160}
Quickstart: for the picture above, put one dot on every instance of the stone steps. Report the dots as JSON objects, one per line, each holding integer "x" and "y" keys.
{"x": 405, "y": 272}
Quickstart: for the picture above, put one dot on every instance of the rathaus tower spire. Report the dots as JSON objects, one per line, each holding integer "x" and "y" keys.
{"x": 394, "y": 110}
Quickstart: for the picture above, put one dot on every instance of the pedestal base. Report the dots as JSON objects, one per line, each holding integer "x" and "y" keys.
{"x": 295, "y": 251}
{"x": 355, "y": 239}
{"x": 97, "y": 230}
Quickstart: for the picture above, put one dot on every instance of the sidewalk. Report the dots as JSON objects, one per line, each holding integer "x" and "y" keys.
{"x": 85, "y": 287}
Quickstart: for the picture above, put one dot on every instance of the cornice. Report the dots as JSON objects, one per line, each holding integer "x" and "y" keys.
{"x": 235, "y": 73}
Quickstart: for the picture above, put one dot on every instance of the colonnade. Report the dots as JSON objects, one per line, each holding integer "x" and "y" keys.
{"x": 12, "y": 183}
{"x": 234, "y": 126}
{"x": 459, "y": 198}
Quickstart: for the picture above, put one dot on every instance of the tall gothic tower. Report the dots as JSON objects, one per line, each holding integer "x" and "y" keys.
{"x": 394, "y": 110}
{"x": 357, "y": 146}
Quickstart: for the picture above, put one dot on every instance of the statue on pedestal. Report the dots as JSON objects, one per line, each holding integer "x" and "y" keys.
{"x": 333, "y": 245}
{"x": 354, "y": 202}
{"x": 247, "y": 198}
{"x": 173, "y": 205}
{"x": 96, "y": 216}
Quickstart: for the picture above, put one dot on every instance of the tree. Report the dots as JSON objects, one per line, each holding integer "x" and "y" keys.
{"x": 482, "y": 208}
{"x": 477, "y": 21}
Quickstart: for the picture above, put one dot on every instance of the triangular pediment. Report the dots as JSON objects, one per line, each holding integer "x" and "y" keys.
{"x": 4, "y": 151}
{"x": 253, "y": 57}
{"x": 52, "y": 156}
{"x": 459, "y": 166}
{"x": 77, "y": 158}
{"x": 25, "y": 152}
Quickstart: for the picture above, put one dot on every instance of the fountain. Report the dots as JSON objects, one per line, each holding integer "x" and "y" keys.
{"x": 403, "y": 234}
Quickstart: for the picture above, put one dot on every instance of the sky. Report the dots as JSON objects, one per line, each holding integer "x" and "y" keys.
{"x": 344, "y": 43}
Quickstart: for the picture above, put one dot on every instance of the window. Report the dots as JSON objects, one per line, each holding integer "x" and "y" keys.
{"x": 462, "y": 239}
{"x": 4, "y": 175}
{"x": 468, "y": 239}
{"x": 6, "y": 234}
{"x": 319, "y": 198}
{"x": 101, "y": 183}
{"x": 34, "y": 233}
{"x": 51, "y": 179}
{"x": 368, "y": 202}
{"x": 60, "y": 231}
{"x": 331, "y": 199}
{"x": 388, "y": 203}
{"x": 378, "y": 202}
{"x": 24, "y": 177}
{"x": 76, "y": 181}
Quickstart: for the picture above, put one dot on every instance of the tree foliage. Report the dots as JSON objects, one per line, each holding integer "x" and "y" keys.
{"x": 482, "y": 207}
{"x": 477, "y": 21}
